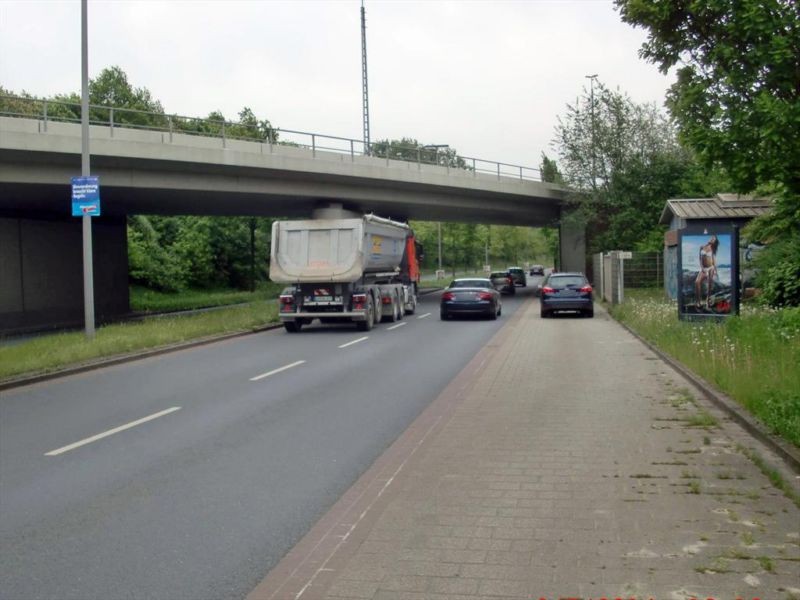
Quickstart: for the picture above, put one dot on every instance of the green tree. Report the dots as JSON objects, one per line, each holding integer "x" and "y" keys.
{"x": 250, "y": 126}
{"x": 622, "y": 161}
{"x": 736, "y": 99}
{"x": 133, "y": 106}
{"x": 150, "y": 263}
{"x": 549, "y": 170}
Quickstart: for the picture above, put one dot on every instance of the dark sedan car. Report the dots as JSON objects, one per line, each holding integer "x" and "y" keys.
{"x": 518, "y": 275}
{"x": 503, "y": 282}
{"x": 537, "y": 270}
{"x": 566, "y": 292}
{"x": 471, "y": 297}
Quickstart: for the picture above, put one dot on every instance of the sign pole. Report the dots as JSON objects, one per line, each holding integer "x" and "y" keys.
{"x": 88, "y": 268}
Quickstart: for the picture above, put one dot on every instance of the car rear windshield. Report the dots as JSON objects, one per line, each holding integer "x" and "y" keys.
{"x": 515, "y": 271}
{"x": 564, "y": 281}
{"x": 471, "y": 283}
{"x": 499, "y": 274}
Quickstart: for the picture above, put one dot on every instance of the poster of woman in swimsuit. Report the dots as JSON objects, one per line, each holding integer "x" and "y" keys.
{"x": 708, "y": 273}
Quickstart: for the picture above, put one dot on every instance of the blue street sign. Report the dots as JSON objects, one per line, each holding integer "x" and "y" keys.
{"x": 86, "y": 196}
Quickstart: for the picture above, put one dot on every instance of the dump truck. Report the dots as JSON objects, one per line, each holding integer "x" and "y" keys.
{"x": 340, "y": 266}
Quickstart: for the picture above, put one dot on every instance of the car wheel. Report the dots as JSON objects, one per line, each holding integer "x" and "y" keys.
{"x": 513, "y": 291}
{"x": 500, "y": 311}
{"x": 589, "y": 314}
{"x": 545, "y": 314}
{"x": 443, "y": 315}
{"x": 292, "y": 326}
{"x": 493, "y": 313}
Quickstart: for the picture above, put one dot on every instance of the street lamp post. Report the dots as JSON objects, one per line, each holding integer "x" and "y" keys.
{"x": 592, "y": 79}
{"x": 88, "y": 263}
{"x": 439, "y": 227}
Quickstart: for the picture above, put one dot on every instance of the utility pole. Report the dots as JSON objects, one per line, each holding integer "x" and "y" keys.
{"x": 592, "y": 79}
{"x": 364, "y": 86}
{"x": 88, "y": 263}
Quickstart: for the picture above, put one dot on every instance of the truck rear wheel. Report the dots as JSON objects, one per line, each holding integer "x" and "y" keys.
{"x": 395, "y": 316}
{"x": 412, "y": 304}
{"x": 367, "y": 324}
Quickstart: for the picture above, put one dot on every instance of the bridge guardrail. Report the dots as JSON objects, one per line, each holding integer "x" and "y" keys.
{"x": 46, "y": 111}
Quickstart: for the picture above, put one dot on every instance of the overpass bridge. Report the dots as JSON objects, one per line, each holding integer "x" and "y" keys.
{"x": 164, "y": 171}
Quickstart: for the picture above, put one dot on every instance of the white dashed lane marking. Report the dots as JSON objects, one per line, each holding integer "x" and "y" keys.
{"x": 284, "y": 368}
{"x": 105, "y": 434}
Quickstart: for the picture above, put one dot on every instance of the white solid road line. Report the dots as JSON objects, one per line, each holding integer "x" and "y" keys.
{"x": 100, "y": 436}
{"x": 268, "y": 373}
{"x": 423, "y": 316}
{"x": 396, "y": 326}
{"x": 361, "y": 339}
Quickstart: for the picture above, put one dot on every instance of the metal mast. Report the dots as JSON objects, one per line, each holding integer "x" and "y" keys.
{"x": 364, "y": 87}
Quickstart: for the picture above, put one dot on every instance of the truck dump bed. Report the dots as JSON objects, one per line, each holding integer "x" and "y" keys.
{"x": 335, "y": 250}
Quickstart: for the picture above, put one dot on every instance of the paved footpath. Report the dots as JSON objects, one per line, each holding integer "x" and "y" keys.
{"x": 565, "y": 461}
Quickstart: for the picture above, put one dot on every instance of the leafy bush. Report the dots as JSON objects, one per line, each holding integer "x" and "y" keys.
{"x": 149, "y": 263}
{"x": 779, "y": 277}
{"x": 175, "y": 253}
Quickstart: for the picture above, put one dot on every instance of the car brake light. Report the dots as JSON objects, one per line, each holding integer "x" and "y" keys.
{"x": 448, "y": 296}
{"x": 548, "y": 290}
{"x": 484, "y": 295}
{"x": 287, "y": 299}
{"x": 586, "y": 288}
{"x": 510, "y": 280}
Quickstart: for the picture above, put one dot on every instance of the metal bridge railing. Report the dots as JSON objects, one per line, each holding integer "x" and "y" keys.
{"x": 115, "y": 117}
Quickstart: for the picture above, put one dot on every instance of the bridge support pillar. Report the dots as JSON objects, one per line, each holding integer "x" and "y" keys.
{"x": 572, "y": 237}
{"x": 41, "y": 281}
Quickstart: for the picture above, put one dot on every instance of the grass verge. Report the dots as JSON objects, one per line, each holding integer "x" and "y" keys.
{"x": 147, "y": 300}
{"x": 775, "y": 478}
{"x": 52, "y": 352}
{"x": 753, "y": 357}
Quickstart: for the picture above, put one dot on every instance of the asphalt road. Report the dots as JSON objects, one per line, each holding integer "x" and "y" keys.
{"x": 191, "y": 474}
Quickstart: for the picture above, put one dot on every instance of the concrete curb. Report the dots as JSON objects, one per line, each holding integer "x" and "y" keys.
{"x": 789, "y": 454}
{"x": 119, "y": 359}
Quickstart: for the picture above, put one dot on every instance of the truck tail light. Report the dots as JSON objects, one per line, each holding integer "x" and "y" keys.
{"x": 510, "y": 280}
{"x": 359, "y": 300}
{"x": 484, "y": 295}
{"x": 287, "y": 302}
{"x": 386, "y": 300}
{"x": 447, "y": 296}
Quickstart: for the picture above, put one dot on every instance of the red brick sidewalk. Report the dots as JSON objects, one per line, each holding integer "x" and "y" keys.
{"x": 562, "y": 462}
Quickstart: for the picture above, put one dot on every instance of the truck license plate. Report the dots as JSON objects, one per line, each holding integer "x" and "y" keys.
{"x": 323, "y": 299}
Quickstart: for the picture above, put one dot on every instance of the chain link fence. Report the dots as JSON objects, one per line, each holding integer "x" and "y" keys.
{"x": 618, "y": 271}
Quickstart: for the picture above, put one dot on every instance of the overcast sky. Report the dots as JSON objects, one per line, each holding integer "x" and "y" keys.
{"x": 487, "y": 78}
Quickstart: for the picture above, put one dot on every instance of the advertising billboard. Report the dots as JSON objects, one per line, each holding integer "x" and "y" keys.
{"x": 708, "y": 273}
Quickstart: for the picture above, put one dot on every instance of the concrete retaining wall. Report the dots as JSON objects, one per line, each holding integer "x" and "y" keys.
{"x": 41, "y": 272}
